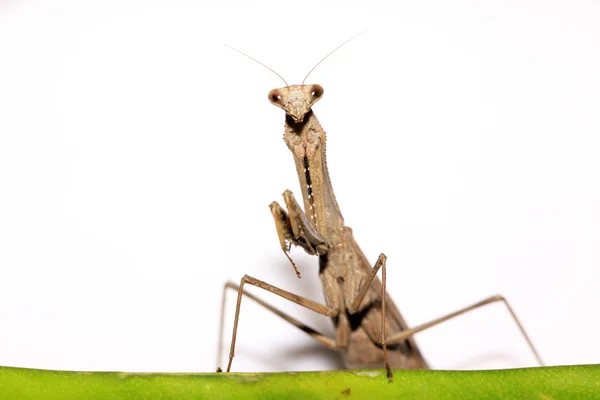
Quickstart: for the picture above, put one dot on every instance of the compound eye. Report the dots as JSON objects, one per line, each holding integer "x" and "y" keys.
{"x": 275, "y": 96}
{"x": 316, "y": 91}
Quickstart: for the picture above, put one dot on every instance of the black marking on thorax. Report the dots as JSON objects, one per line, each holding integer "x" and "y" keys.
{"x": 309, "y": 189}
{"x": 307, "y": 176}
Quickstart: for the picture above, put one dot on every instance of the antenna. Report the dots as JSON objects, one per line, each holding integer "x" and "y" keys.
{"x": 332, "y": 51}
{"x": 264, "y": 65}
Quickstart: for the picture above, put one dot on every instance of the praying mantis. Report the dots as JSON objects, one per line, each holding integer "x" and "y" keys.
{"x": 369, "y": 329}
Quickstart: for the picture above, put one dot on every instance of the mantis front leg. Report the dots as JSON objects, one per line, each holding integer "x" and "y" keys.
{"x": 294, "y": 227}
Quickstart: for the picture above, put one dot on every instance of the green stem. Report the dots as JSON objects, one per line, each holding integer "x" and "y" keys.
{"x": 568, "y": 382}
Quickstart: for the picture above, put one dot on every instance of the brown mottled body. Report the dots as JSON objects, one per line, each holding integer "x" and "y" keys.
{"x": 344, "y": 267}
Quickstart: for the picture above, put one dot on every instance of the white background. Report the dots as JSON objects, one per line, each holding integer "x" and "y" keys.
{"x": 138, "y": 156}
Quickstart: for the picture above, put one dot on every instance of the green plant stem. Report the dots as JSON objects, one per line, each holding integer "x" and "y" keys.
{"x": 568, "y": 382}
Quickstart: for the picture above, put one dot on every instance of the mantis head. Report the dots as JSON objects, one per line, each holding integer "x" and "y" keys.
{"x": 296, "y": 100}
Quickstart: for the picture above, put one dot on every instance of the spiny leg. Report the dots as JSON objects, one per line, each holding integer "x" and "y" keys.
{"x": 284, "y": 232}
{"x": 302, "y": 227}
{"x": 310, "y": 304}
{"x": 380, "y": 263}
{"x": 400, "y": 336}
{"x": 295, "y": 228}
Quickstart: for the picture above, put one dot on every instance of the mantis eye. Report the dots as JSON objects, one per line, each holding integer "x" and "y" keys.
{"x": 275, "y": 96}
{"x": 316, "y": 91}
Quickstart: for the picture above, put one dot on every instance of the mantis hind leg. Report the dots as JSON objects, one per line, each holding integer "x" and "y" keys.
{"x": 400, "y": 336}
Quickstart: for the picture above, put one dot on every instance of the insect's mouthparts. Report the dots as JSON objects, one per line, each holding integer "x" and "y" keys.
{"x": 297, "y": 118}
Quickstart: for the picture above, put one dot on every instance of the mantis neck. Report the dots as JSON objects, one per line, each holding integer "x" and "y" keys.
{"x": 306, "y": 140}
